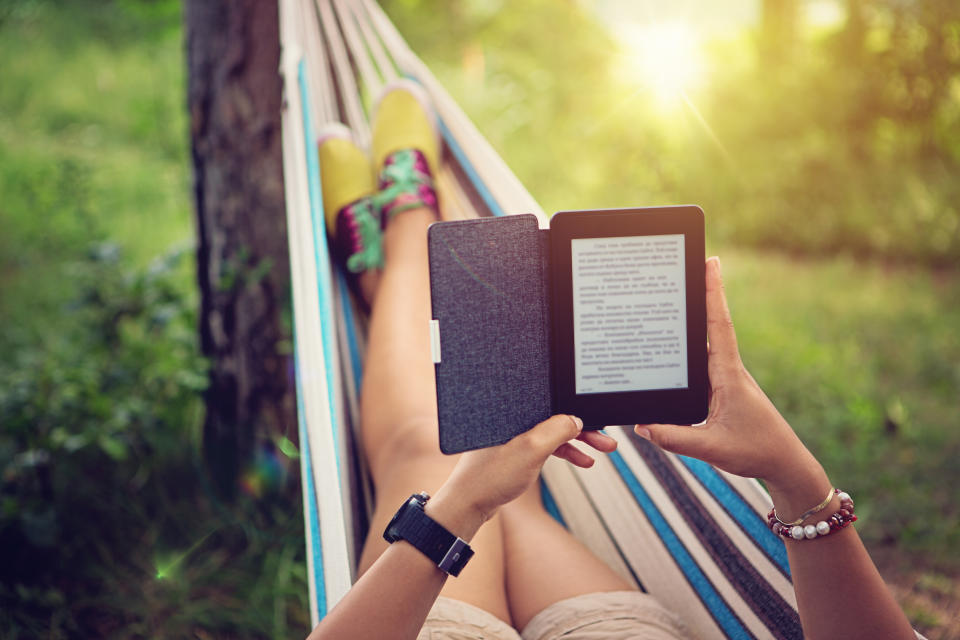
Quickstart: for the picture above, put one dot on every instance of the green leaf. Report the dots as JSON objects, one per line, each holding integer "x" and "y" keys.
{"x": 113, "y": 447}
{"x": 287, "y": 447}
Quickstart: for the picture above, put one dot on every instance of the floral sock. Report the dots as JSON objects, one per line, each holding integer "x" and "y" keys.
{"x": 405, "y": 183}
{"x": 358, "y": 239}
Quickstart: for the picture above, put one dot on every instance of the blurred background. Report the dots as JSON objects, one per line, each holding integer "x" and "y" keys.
{"x": 821, "y": 137}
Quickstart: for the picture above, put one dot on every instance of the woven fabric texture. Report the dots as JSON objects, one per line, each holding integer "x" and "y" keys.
{"x": 487, "y": 282}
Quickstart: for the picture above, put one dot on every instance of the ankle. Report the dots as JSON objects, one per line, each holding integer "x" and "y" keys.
{"x": 408, "y": 228}
{"x": 368, "y": 283}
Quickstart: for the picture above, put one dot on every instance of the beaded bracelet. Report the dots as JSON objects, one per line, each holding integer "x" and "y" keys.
{"x": 835, "y": 522}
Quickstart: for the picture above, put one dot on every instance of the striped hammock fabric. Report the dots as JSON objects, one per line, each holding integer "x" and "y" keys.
{"x": 691, "y": 535}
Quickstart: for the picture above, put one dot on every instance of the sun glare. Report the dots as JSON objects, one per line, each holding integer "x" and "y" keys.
{"x": 667, "y": 58}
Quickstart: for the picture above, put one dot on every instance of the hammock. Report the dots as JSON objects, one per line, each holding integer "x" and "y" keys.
{"x": 690, "y": 534}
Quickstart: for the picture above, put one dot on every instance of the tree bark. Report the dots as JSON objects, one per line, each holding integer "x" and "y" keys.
{"x": 234, "y": 98}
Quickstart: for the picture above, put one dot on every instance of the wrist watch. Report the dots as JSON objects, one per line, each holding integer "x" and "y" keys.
{"x": 411, "y": 523}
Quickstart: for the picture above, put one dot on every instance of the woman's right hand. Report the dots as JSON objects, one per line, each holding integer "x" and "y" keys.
{"x": 744, "y": 433}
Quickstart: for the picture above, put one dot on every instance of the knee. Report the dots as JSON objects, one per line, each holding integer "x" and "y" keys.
{"x": 412, "y": 439}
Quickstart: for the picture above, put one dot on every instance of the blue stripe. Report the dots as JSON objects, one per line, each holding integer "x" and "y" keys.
{"x": 550, "y": 504}
{"x": 468, "y": 169}
{"x": 322, "y": 263}
{"x": 748, "y": 519}
{"x": 713, "y": 601}
{"x": 321, "y": 254}
{"x": 313, "y": 518}
{"x": 355, "y": 362}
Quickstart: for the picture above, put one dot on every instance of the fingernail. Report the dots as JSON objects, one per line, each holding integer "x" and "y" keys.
{"x": 643, "y": 432}
{"x": 578, "y": 422}
{"x": 716, "y": 260}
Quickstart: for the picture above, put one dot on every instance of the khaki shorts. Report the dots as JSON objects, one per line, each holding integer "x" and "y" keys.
{"x": 618, "y": 615}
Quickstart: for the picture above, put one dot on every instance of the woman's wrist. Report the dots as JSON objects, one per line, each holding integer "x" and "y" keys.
{"x": 457, "y": 514}
{"x": 798, "y": 489}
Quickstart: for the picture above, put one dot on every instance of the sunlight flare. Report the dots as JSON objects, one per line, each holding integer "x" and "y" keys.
{"x": 667, "y": 58}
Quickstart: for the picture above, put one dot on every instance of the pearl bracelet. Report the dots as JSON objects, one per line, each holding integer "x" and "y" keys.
{"x": 835, "y": 522}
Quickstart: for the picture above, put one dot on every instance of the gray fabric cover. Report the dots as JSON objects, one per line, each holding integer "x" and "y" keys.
{"x": 488, "y": 288}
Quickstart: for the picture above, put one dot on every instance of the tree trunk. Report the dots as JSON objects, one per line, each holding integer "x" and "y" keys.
{"x": 234, "y": 96}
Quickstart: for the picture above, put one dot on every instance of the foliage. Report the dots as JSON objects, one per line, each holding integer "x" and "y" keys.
{"x": 848, "y": 141}
{"x": 106, "y": 528}
{"x": 101, "y": 399}
{"x": 106, "y": 525}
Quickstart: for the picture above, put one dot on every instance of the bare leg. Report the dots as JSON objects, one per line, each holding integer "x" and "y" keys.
{"x": 369, "y": 282}
{"x": 399, "y": 413}
{"x": 545, "y": 563}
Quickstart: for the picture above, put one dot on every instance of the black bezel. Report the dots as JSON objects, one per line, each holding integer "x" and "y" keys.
{"x": 390, "y": 534}
{"x": 673, "y": 406}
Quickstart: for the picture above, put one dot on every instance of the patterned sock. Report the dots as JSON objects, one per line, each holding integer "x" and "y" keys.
{"x": 358, "y": 239}
{"x": 405, "y": 183}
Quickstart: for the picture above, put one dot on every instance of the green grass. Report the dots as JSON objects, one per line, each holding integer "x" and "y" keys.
{"x": 93, "y": 143}
{"x": 863, "y": 362}
{"x": 114, "y": 111}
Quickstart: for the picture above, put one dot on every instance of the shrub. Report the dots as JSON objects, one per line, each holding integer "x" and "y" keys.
{"x": 89, "y": 416}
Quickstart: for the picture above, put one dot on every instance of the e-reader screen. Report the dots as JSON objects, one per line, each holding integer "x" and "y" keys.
{"x": 629, "y": 313}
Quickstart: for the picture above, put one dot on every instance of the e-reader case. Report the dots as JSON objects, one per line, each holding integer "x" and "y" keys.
{"x": 491, "y": 330}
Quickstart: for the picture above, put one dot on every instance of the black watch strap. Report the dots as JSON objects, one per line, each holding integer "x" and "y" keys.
{"x": 449, "y": 552}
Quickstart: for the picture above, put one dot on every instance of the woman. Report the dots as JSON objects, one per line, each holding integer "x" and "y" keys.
{"x": 529, "y": 574}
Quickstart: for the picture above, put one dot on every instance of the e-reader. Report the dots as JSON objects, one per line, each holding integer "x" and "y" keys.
{"x": 629, "y": 315}
{"x": 601, "y": 316}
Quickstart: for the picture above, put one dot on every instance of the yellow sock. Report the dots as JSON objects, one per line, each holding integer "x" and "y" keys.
{"x": 403, "y": 120}
{"x": 345, "y": 172}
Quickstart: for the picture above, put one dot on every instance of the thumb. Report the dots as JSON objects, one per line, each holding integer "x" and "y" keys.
{"x": 688, "y": 441}
{"x": 553, "y": 432}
